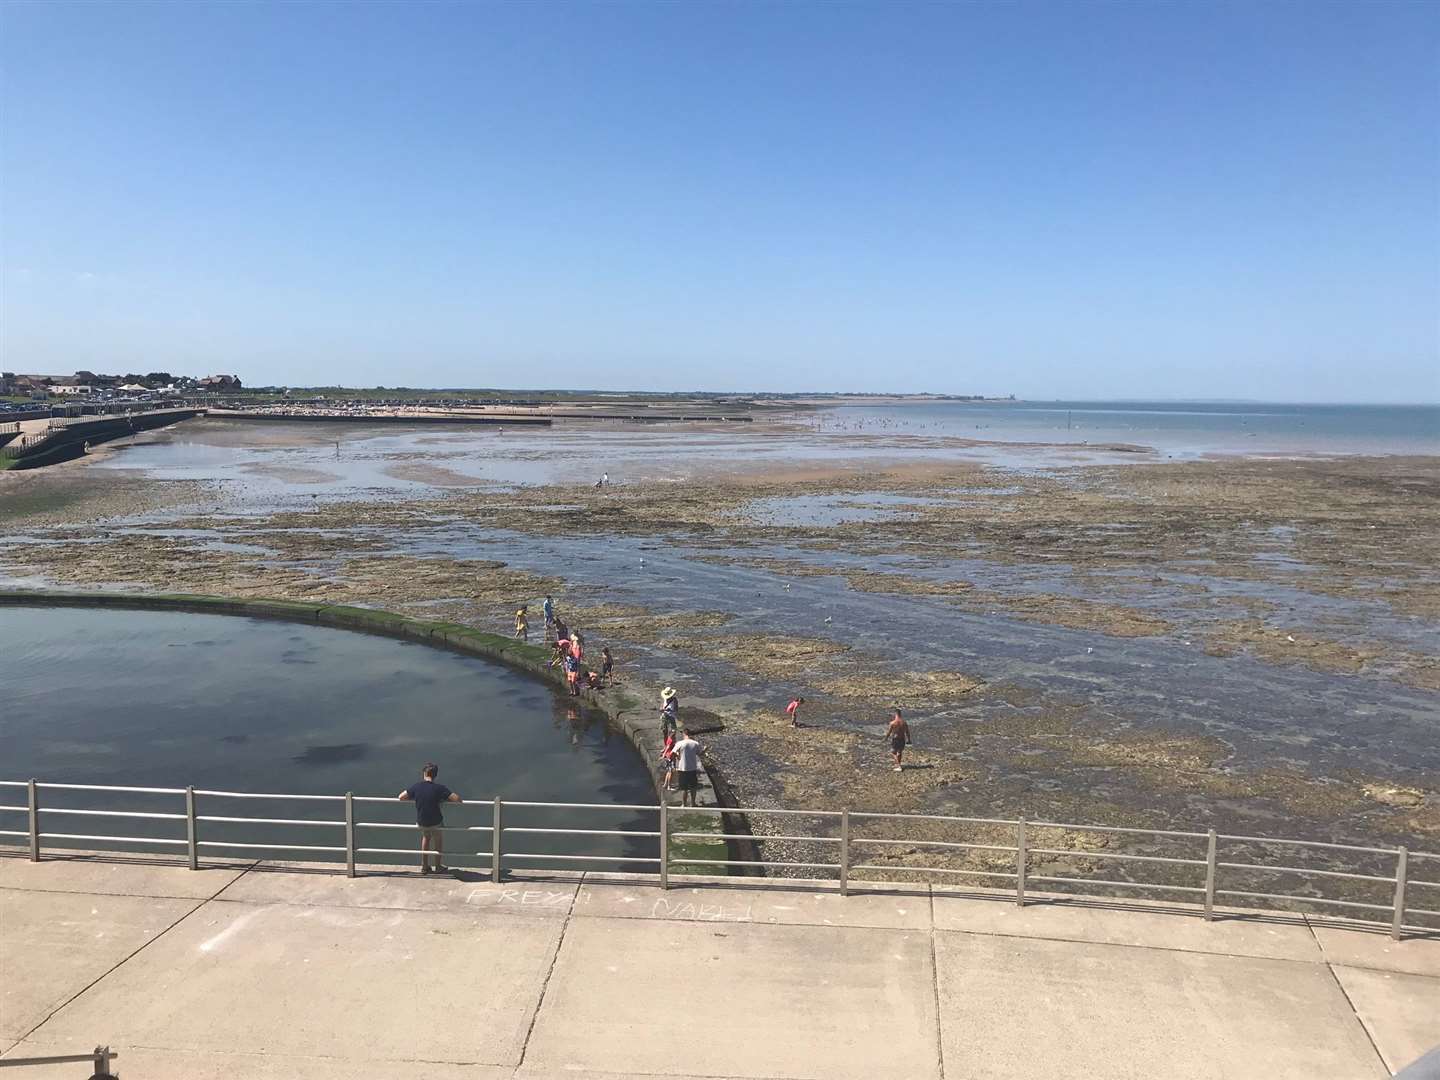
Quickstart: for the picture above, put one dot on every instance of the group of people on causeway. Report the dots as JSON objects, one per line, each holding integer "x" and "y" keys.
{"x": 680, "y": 752}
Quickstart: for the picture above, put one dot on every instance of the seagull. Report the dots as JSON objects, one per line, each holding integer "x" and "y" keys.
{"x": 827, "y": 618}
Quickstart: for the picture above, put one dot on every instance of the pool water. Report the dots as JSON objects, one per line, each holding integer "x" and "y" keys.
{"x": 170, "y": 699}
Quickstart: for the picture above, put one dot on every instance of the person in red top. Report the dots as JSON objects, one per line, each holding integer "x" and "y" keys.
{"x": 793, "y": 710}
{"x": 667, "y": 755}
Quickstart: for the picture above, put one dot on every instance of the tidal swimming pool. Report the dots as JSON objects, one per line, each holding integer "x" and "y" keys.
{"x": 169, "y": 699}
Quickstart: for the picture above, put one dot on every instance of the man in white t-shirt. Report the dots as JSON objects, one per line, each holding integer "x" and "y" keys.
{"x": 687, "y": 767}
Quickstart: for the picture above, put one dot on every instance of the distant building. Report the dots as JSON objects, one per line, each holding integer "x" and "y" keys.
{"x": 225, "y": 384}
{"x": 69, "y": 388}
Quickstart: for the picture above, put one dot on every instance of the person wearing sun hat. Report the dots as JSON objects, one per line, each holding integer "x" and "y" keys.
{"x": 669, "y": 711}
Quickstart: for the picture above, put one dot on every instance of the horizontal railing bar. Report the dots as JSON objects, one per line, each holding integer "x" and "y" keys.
{"x": 1424, "y": 854}
{"x": 746, "y": 836}
{"x": 414, "y": 852}
{"x": 17, "y": 809}
{"x": 581, "y": 805}
{"x": 1309, "y": 843}
{"x": 263, "y": 820}
{"x": 934, "y": 817}
{"x": 1422, "y": 911}
{"x": 393, "y": 799}
{"x": 109, "y": 813}
{"x": 937, "y": 870}
{"x": 110, "y": 787}
{"x": 13, "y": 832}
{"x": 580, "y": 832}
{"x": 1115, "y": 829}
{"x": 268, "y": 795}
{"x": 574, "y": 858}
{"x": 753, "y": 810}
{"x": 118, "y": 839}
{"x": 676, "y": 860}
{"x": 442, "y": 828}
{"x": 13, "y": 783}
{"x": 1304, "y": 899}
{"x": 1119, "y": 884}
{"x": 1425, "y": 884}
{"x": 1305, "y": 870}
{"x": 265, "y": 847}
{"x": 1117, "y": 855}
{"x": 931, "y": 843}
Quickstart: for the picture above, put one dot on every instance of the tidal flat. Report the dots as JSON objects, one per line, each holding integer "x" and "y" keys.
{"x": 1244, "y": 643}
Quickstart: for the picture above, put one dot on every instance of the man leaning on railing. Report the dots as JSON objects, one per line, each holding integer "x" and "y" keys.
{"x": 428, "y": 797}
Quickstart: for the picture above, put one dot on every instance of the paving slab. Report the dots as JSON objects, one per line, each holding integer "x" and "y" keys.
{"x": 525, "y": 1072}
{"x": 738, "y": 903}
{"x": 144, "y": 1063}
{"x": 53, "y": 945}
{"x": 628, "y": 996}
{"x": 1020, "y": 1008}
{"x": 1152, "y": 926}
{"x": 405, "y": 891}
{"x": 1373, "y": 948}
{"x": 1401, "y": 1012}
{"x": 117, "y": 875}
{"x": 373, "y": 985}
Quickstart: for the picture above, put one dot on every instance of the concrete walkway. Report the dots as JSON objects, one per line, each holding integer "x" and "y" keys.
{"x": 283, "y": 973}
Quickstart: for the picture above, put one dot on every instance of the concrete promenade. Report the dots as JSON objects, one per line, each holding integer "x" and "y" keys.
{"x": 285, "y": 973}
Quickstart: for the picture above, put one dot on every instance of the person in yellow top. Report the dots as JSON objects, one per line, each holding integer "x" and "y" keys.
{"x": 522, "y": 624}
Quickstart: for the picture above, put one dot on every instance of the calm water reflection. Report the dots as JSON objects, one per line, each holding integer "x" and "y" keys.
{"x": 168, "y": 699}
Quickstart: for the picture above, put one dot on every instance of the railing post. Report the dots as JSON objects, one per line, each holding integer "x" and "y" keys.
{"x": 1402, "y": 867}
{"x": 1021, "y": 850}
{"x": 34, "y": 821}
{"x": 844, "y": 852}
{"x": 349, "y": 834}
{"x": 664, "y": 843}
{"x": 191, "y": 841}
{"x": 495, "y": 842}
{"x": 1210, "y": 875}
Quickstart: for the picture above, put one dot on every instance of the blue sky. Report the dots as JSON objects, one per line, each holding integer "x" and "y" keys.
{"x": 1052, "y": 200}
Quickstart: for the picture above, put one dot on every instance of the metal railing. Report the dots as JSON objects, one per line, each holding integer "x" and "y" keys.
{"x": 1010, "y": 844}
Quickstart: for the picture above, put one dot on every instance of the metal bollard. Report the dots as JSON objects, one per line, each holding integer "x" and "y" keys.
{"x": 349, "y": 834}
{"x": 1021, "y": 858}
{"x": 1402, "y": 868}
{"x": 495, "y": 843}
{"x": 1210, "y": 875}
{"x": 34, "y": 821}
{"x": 844, "y": 852}
{"x": 664, "y": 843}
{"x": 192, "y": 844}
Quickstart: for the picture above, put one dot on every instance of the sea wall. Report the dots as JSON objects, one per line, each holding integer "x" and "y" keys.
{"x": 69, "y": 442}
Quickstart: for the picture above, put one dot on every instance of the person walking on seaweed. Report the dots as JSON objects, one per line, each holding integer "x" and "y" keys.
{"x": 548, "y": 609}
{"x": 898, "y": 732}
{"x": 793, "y": 710}
{"x": 607, "y": 664}
{"x": 522, "y": 624}
{"x": 428, "y": 796}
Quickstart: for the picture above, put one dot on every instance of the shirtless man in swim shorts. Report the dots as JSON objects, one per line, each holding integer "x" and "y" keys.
{"x": 899, "y": 735}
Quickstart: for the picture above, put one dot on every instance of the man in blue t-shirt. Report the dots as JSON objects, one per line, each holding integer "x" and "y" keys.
{"x": 428, "y": 796}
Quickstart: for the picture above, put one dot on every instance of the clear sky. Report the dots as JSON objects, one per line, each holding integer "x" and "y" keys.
{"x": 1048, "y": 199}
